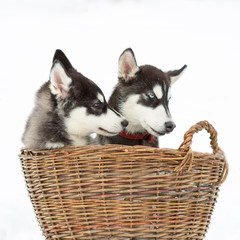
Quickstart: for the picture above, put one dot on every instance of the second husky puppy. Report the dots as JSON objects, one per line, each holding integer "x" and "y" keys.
{"x": 68, "y": 108}
{"x": 142, "y": 96}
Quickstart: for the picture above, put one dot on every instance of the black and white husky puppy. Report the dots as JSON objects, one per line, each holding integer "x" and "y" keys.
{"x": 68, "y": 108}
{"x": 142, "y": 96}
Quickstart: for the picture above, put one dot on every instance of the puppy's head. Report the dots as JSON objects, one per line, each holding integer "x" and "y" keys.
{"x": 143, "y": 94}
{"x": 81, "y": 102}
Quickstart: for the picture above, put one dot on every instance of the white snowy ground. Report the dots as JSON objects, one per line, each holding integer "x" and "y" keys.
{"x": 168, "y": 34}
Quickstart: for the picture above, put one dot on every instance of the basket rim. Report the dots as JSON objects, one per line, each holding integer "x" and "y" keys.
{"x": 187, "y": 156}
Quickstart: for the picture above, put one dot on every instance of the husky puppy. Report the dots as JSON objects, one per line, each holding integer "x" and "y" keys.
{"x": 142, "y": 96}
{"x": 68, "y": 108}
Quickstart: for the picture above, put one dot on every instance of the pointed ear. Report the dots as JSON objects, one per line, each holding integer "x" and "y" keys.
{"x": 59, "y": 80}
{"x": 176, "y": 74}
{"x": 61, "y": 57}
{"x": 127, "y": 65}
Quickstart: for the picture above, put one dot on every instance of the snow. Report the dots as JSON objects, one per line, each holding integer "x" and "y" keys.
{"x": 168, "y": 34}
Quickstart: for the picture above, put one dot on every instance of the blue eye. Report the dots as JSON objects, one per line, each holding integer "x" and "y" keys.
{"x": 151, "y": 95}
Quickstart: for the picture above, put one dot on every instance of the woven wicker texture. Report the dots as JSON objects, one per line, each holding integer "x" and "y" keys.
{"x": 125, "y": 192}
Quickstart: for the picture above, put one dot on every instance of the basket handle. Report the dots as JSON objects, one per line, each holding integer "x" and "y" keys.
{"x": 187, "y": 142}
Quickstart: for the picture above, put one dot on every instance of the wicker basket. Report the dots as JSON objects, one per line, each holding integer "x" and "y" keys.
{"x": 125, "y": 192}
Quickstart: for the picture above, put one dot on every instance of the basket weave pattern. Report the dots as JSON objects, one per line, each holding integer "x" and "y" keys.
{"x": 125, "y": 192}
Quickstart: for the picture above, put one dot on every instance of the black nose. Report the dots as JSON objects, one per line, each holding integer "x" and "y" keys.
{"x": 124, "y": 123}
{"x": 170, "y": 126}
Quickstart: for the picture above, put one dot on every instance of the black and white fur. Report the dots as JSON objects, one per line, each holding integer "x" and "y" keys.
{"x": 142, "y": 96}
{"x": 68, "y": 108}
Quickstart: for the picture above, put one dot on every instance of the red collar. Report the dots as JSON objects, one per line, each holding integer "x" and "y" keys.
{"x": 147, "y": 136}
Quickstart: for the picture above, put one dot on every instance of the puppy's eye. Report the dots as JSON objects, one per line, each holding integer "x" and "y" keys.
{"x": 97, "y": 105}
{"x": 151, "y": 95}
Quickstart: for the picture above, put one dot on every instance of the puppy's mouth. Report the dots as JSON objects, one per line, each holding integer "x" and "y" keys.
{"x": 153, "y": 131}
{"x": 106, "y": 132}
{"x": 158, "y": 133}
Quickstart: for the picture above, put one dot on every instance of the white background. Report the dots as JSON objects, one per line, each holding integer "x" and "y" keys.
{"x": 203, "y": 34}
